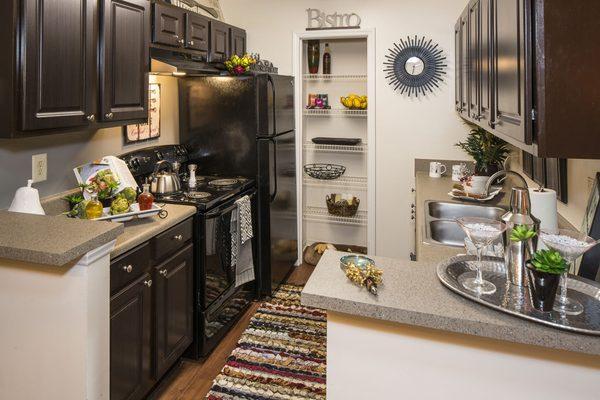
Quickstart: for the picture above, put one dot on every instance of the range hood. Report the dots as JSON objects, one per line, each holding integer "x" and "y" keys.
{"x": 176, "y": 64}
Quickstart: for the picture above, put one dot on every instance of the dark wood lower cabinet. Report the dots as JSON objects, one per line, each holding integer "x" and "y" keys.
{"x": 131, "y": 340}
{"x": 151, "y": 314}
{"x": 174, "y": 308}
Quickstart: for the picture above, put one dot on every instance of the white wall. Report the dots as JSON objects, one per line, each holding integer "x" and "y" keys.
{"x": 68, "y": 150}
{"x": 406, "y": 128}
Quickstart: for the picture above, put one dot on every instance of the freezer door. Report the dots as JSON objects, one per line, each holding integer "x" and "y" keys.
{"x": 275, "y": 105}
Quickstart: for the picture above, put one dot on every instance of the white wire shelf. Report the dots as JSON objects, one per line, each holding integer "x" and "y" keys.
{"x": 320, "y": 214}
{"x": 334, "y": 112}
{"x": 336, "y": 77}
{"x": 354, "y": 182}
{"x": 335, "y": 148}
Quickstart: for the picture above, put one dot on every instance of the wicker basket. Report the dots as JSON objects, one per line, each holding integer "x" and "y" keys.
{"x": 343, "y": 207}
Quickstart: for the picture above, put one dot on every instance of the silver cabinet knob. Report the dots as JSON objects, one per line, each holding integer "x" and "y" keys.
{"x": 91, "y": 117}
{"x": 148, "y": 283}
{"x": 128, "y": 268}
{"x": 109, "y": 115}
{"x": 178, "y": 237}
{"x": 164, "y": 272}
{"x": 492, "y": 124}
{"x": 181, "y": 41}
{"x": 191, "y": 42}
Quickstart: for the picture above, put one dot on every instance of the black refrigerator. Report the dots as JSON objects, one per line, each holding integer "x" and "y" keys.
{"x": 245, "y": 126}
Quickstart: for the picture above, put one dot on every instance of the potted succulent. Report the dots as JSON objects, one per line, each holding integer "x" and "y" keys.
{"x": 544, "y": 271}
{"x": 518, "y": 251}
{"x": 488, "y": 151}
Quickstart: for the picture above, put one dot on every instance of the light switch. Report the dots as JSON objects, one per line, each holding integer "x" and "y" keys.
{"x": 39, "y": 167}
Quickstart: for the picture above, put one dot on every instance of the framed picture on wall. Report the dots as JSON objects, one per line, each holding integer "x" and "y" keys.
{"x": 151, "y": 130}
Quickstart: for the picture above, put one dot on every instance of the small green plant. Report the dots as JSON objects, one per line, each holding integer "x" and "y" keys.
{"x": 521, "y": 233}
{"x": 486, "y": 149}
{"x": 549, "y": 261}
{"x": 73, "y": 199}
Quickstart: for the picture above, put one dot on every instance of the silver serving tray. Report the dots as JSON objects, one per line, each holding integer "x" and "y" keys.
{"x": 516, "y": 300}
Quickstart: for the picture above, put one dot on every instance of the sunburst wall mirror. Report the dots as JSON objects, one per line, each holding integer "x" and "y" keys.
{"x": 415, "y": 66}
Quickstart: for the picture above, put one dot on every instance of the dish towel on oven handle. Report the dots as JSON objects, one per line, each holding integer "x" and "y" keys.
{"x": 241, "y": 241}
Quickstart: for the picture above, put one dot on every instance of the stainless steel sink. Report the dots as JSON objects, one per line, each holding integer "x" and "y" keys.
{"x": 452, "y": 211}
{"x": 440, "y": 225}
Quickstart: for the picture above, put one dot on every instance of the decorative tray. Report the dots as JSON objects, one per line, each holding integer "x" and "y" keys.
{"x": 337, "y": 141}
{"x": 515, "y": 300}
{"x": 463, "y": 196}
{"x": 133, "y": 213}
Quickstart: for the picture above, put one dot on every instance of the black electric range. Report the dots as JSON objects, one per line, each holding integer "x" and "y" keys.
{"x": 218, "y": 302}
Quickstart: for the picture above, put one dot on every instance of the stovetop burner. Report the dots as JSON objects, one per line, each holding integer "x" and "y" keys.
{"x": 224, "y": 183}
{"x": 199, "y": 195}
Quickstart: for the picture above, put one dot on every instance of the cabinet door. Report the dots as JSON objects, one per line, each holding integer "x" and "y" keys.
{"x": 168, "y": 26}
{"x": 464, "y": 60}
{"x": 58, "y": 63}
{"x": 457, "y": 67}
{"x": 219, "y": 42}
{"x": 197, "y": 32}
{"x": 474, "y": 48}
{"x": 238, "y": 41}
{"x": 510, "y": 76}
{"x": 174, "y": 308}
{"x": 125, "y": 60}
{"x": 130, "y": 340}
{"x": 485, "y": 69}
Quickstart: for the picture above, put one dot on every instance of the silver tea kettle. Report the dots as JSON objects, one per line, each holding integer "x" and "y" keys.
{"x": 164, "y": 180}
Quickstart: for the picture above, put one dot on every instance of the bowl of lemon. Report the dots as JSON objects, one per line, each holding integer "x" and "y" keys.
{"x": 354, "y": 102}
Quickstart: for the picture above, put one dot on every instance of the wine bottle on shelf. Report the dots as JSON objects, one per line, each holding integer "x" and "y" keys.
{"x": 327, "y": 60}
{"x": 313, "y": 56}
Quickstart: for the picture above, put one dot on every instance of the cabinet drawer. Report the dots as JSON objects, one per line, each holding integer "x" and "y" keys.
{"x": 128, "y": 267}
{"x": 172, "y": 240}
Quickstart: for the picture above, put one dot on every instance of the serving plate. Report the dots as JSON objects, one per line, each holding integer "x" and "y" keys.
{"x": 133, "y": 213}
{"x": 491, "y": 195}
{"x": 516, "y": 300}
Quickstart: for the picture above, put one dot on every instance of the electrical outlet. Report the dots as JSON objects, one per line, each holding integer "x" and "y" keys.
{"x": 39, "y": 167}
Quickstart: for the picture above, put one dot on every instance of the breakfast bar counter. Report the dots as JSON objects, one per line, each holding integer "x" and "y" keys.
{"x": 419, "y": 327}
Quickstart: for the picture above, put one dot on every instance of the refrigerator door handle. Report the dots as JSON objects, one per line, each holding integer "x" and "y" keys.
{"x": 272, "y": 84}
{"x": 274, "y": 194}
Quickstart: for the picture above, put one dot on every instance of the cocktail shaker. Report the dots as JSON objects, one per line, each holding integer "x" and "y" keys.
{"x": 517, "y": 253}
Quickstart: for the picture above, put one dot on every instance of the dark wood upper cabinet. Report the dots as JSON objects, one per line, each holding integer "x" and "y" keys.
{"x": 197, "y": 32}
{"x": 174, "y": 308}
{"x": 125, "y": 59}
{"x": 238, "y": 41}
{"x": 58, "y": 64}
{"x": 219, "y": 42}
{"x": 533, "y": 77}
{"x": 457, "y": 67}
{"x": 464, "y": 64}
{"x": 510, "y": 65}
{"x": 131, "y": 340}
{"x": 169, "y": 25}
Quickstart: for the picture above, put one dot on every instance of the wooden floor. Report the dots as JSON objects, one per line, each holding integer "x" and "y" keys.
{"x": 193, "y": 380}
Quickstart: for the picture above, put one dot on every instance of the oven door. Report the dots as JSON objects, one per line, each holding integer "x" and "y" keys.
{"x": 217, "y": 275}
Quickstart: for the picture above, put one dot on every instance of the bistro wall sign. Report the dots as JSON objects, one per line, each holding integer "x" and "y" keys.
{"x": 317, "y": 19}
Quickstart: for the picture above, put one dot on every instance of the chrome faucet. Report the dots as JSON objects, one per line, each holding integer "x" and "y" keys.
{"x": 504, "y": 173}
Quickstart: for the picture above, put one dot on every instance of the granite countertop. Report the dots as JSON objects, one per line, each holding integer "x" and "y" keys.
{"x": 412, "y": 295}
{"x": 139, "y": 231}
{"x": 51, "y": 240}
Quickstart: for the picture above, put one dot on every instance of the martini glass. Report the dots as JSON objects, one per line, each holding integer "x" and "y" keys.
{"x": 482, "y": 232}
{"x": 571, "y": 245}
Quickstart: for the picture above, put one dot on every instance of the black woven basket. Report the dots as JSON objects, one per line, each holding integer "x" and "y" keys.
{"x": 342, "y": 208}
{"x": 324, "y": 171}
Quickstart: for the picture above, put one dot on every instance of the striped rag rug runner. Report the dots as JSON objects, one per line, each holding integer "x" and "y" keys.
{"x": 280, "y": 356}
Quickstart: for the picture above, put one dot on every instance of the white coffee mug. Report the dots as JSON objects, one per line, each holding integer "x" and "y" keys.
{"x": 458, "y": 172}
{"x": 436, "y": 169}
